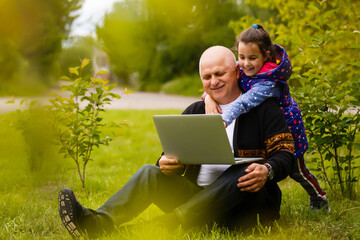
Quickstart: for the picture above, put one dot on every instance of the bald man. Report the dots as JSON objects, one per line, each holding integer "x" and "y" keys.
{"x": 230, "y": 195}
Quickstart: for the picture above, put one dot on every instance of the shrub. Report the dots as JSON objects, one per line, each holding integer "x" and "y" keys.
{"x": 187, "y": 85}
{"x": 322, "y": 40}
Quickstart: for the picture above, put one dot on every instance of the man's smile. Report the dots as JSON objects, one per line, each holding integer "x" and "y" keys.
{"x": 217, "y": 88}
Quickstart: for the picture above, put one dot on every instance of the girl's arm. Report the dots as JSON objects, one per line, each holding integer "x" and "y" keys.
{"x": 252, "y": 98}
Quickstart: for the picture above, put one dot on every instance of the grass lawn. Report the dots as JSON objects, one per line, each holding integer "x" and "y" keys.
{"x": 28, "y": 199}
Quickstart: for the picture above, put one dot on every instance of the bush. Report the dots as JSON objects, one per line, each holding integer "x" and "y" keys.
{"x": 322, "y": 40}
{"x": 187, "y": 85}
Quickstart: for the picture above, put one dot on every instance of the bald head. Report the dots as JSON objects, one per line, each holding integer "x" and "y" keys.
{"x": 219, "y": 74}
{"x": 217, "y": 53}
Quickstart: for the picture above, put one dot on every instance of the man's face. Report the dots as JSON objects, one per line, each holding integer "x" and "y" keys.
{"x": 219, "y": 77}
{"x": 250, "y": 58}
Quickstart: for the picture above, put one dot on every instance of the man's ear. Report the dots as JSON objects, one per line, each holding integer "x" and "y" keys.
{"x": 237, "y": 70}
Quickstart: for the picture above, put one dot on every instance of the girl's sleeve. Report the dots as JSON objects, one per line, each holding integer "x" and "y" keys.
{"x": 252, "y": 98}
{"x": 203, "y": 96}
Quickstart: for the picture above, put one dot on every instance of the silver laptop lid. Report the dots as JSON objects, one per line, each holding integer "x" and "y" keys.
{"x": 194, "y": 139}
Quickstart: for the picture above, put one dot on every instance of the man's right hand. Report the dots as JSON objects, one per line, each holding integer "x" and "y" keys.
{"x": 170, "y": 166}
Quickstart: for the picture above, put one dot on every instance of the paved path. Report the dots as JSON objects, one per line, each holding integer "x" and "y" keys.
{"x": 137, "y": 100}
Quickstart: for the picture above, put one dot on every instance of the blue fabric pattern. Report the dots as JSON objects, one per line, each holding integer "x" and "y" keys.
{"x": 252, "y": 98}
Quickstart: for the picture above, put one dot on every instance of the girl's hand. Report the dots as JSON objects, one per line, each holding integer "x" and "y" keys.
{"x": 211, "y": 107}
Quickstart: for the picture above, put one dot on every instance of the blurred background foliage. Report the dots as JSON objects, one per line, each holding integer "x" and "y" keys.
{"x": 31, "y": 40}
{"x": 74, "y": 50}
{"x": 147, "y": 43}
{"x": 161, "y": 40}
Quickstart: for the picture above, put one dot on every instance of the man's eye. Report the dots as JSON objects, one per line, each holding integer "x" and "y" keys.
{"x": 220, "y": 74}
{"x": 206, "y": 77}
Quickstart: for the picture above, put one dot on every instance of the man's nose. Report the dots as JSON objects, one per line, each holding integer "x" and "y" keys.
{"x": 214, "y": 80}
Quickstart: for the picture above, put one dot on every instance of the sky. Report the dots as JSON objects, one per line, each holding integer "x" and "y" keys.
{"x": 91, "y": 14}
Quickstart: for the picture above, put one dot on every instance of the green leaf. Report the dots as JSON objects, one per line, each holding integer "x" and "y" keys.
{"x": 106, "y": 99}
{"x": 74, "y": 70}
{"x": 86, "y": 98}
{"x": 99, "y": 91}
{"x": 97, "y": 81}
{"x": 110, "y": 87}
{"x": 102, "y": 72}
{"x": 127, "y": 91}
{"x": 296, "y": 69}
{"x": 84, "y": 62}
{"x": 33, "y": 103}
{"x": 66, "y": 78}
{"x": 314, "y": 8}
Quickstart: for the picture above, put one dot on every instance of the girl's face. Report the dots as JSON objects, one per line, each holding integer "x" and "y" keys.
{"x": 250, "y": 58}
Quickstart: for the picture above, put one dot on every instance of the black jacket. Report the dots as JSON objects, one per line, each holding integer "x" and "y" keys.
{"x": 262, "y": 132}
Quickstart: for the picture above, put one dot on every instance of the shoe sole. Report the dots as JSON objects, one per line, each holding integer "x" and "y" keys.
{"x": 67, "y": 213}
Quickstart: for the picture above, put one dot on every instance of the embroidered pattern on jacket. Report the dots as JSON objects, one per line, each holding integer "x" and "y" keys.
{"x": 252, "y": 153}
{"x": 280, "y": 142}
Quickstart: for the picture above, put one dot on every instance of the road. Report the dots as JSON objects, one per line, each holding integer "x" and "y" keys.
{"x": 137, "y": 100}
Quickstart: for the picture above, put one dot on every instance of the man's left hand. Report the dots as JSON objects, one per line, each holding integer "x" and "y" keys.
{"x": 255, "y": 178}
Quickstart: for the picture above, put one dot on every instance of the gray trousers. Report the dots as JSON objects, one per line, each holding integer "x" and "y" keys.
{"x": 222, "y": 201}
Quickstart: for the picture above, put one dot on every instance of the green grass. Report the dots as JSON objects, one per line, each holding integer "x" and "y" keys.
{"x": 28, "y": 200}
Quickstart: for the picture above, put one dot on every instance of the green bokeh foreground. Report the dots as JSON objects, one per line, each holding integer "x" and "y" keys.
{"x": 28, "y": 200}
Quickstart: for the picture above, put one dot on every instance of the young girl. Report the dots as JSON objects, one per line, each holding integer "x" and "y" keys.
{"x": 265, "y": 68}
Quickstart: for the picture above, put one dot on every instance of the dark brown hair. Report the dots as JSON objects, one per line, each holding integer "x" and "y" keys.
{"x": 257, "y": 34}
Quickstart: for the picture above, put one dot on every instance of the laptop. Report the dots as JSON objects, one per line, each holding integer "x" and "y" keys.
{"x": 196, "y": 139}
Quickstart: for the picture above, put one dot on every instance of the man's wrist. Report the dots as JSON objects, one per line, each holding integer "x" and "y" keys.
{"x": 271, "y": 174}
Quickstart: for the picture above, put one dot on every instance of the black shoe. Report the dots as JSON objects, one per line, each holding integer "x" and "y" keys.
{"x": 320, "y": 204}
{"x": 70, "y": 211}
{"x": 81, "y": 221}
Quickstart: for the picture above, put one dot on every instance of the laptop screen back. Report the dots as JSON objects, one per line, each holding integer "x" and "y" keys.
{"x": 194, "y": 139}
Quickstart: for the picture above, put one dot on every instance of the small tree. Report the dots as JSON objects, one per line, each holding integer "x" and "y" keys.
{"x": 73, "y": 122}
{"x": 77, "y": 121}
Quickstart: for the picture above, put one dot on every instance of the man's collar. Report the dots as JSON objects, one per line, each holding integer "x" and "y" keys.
{"x": 223, "y": 106}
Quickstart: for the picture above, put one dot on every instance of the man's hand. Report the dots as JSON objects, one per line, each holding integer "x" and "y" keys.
{"x": 211, "y": 107}
{"x": 255, "y": 178}
{"x": 170, "y": 166}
